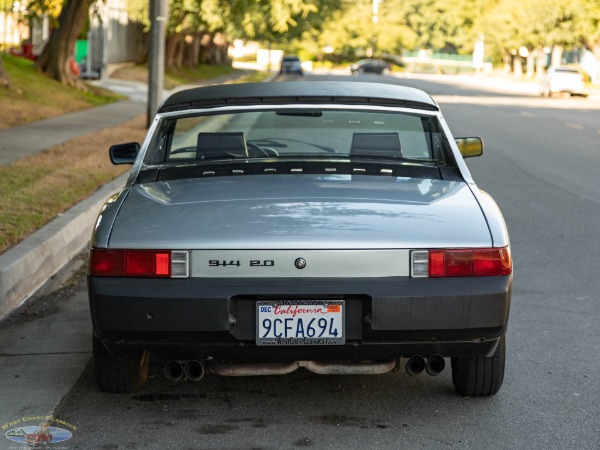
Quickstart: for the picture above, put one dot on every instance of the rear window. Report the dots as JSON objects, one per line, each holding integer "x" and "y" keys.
{"x": 315, "y": 133}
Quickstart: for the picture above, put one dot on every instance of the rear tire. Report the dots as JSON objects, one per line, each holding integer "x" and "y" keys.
{"x": 478, "y": 376}
{"x": 119, "y": 375}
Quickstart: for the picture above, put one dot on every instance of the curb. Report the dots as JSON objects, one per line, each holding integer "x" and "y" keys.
{"x": 28, "y": 265}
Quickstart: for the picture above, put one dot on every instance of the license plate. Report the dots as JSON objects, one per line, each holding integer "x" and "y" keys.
{"x": 300, "y": 322}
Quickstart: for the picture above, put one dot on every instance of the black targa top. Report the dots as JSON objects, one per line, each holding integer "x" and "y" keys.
{"x": 321, "y": 92}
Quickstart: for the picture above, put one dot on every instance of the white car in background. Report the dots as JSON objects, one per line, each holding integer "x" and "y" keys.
{"x": 563, "y": 79}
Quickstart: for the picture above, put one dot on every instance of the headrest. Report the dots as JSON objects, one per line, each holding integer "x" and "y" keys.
{"x": 384, "y": 145}
{"x": 221, "y": 145}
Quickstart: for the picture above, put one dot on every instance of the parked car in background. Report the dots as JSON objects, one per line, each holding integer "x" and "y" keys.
{"x": 563, "y": 79}
{"x": 371, "y": 65}
{"x": 332, "y": 226}
{"x": 291, "y": 64}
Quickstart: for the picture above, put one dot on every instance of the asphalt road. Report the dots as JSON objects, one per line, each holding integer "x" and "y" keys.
{"x": 540, "y": 164}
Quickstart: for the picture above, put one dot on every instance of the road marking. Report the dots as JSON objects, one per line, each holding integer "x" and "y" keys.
{"x": 526, "y": 114}
{"x": 575, "y": 126}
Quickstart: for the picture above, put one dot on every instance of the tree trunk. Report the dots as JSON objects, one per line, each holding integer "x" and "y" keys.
{"x": 196, "y": 45}
{"x": 56, "y": 58}
{"x": 596, "y": 51}
{"x": 540, "y": 62}
{"x": 180, "y": 51}
{"x": 557, "y": 52}
{"x": 531, "y": 63}
{"x": 171, "y": 50}
{"x": 3, "y": 74}
{"x": 517, "y": 66}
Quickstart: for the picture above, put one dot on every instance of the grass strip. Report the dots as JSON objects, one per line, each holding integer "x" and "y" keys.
{"x": 32, "y": 96}
{"x": 37, "y": 188}
{"x": 173, "y": 78}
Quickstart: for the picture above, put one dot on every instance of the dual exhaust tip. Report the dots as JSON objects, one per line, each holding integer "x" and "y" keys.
{"x": 194, "y": 370}
{"x": 434, "y": 365}
{"x": 191, "y": 370}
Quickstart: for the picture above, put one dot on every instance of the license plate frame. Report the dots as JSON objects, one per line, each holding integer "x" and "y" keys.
{"x": 295, "y": 326}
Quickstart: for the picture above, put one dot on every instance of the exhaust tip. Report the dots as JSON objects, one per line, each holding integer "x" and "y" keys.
{"x": 193, "y": 370}
{"x": 415, "y": 365}
{"x": 435, "y": 365}
{"x": 173, "y": 370}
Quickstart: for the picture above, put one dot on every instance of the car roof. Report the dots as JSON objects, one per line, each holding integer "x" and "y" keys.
{"x": 328, "y": 92}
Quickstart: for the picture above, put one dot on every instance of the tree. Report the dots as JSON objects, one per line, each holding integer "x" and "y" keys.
{"x": 56, "y": 57}
{"x": 591, "y": 13}
{"x": 3, "y": 74}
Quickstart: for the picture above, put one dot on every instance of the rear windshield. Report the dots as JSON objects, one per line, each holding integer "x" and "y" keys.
{"x": 287, "y": 133}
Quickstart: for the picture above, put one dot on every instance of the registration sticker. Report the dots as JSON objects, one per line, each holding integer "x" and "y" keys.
{"x": 300, "y": 322}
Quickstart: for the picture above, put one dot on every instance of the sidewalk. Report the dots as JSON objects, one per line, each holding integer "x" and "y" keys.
{"x": 32, "y": 138}
{"x": 28, "y": 265}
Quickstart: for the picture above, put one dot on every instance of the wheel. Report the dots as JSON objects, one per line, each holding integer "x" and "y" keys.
{"x": 119, "y": 375}
{"x": 478, "y": 376}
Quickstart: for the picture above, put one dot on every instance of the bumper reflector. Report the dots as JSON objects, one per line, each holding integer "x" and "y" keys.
{"x": 419, "y": 264}
{"x": 180, "y": 267}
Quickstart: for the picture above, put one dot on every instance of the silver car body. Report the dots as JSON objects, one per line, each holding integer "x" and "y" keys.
{"x": 313, "y": 225}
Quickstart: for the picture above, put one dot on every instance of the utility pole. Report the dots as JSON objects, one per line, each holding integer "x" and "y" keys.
{"x": 159, "y": 11}
{"x": 375, "y": 20}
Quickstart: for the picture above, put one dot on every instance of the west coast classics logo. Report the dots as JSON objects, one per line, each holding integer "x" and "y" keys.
{"x": 44, "y": 435}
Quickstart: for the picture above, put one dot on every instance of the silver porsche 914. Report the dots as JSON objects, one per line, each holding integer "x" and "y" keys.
{"x": 270, "y": 226}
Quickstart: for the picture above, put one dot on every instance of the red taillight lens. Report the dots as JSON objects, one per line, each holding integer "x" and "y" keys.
{"x": 470, "y": 262}
{"x": 108, "y": 263}
{"x": 493, "y": 261}
{"x": 130, "y": 263}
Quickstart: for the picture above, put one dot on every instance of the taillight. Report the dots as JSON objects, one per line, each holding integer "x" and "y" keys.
{"x": 461, "y": 262}
{"x": 139, "y": 263}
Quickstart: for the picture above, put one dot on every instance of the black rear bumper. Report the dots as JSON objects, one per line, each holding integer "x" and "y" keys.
{"x": 385, "y": 318}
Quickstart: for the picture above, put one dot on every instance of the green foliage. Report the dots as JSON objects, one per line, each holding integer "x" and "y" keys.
{"x": 453, "y": 26}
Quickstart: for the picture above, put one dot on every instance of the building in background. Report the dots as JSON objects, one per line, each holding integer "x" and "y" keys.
{"x": 111, "y": 37}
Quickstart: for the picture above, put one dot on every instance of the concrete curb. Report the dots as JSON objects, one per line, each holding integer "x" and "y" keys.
{"x": 27, "y": 266}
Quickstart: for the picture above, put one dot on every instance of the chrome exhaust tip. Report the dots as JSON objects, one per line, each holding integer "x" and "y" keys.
{"x": 415, "y": 365}
{"x": 435, "y": 365}
{"x": 173, "y": 370}
{"x": 193, "y": 370}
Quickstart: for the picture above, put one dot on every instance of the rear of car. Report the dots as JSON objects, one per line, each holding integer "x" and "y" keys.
{"x": 563, "y": 79}
{"x": 331, "y": 226}
{"x": 291, "y": 64}
{"x": 377, "y": 66}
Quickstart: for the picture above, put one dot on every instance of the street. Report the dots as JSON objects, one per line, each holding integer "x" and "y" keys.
{"x": 540, "y": 164}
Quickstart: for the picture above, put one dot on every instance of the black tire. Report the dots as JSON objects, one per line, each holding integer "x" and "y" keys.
{"x": 119, "y": 375}
{"x": 478, "y": 376}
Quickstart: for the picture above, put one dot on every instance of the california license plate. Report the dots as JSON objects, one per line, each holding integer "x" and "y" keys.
{"x": 300, "y": 322}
